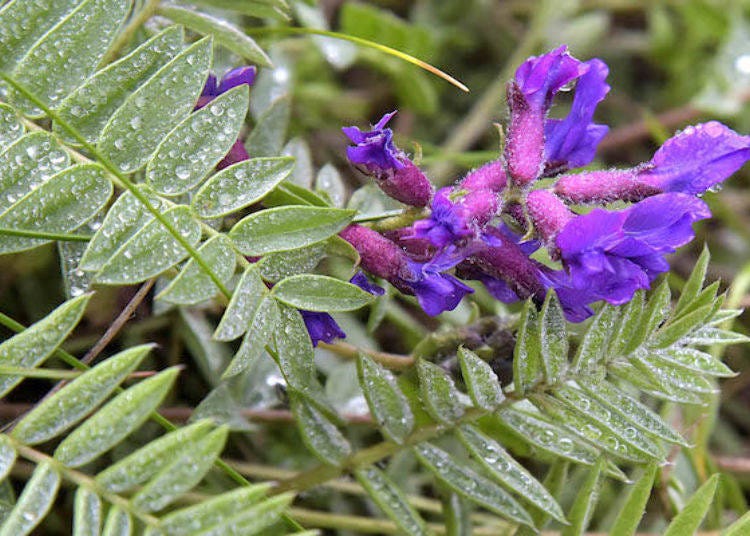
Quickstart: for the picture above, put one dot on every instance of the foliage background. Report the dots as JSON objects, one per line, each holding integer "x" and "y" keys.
{"x": 671, "y": 63}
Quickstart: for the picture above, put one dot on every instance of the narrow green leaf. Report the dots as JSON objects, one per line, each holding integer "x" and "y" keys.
{"x": 527, "y": 359}
{"x": 285, "y": 228}
{"x": 167, "y": 97}
{"x": 637, "y": 413}
{"x": 11, "y": 127}
{"x": 592, "y": 352}
{"x": 627, "y": 323}
{"x": 91, "y": 105}
{"x": 320, "y": 293}
{"x": 548, "y": 437}
{"x": 553, "y": 339}
{"x": 481, "y": 381}
{"x": 674, "y": 331}
{"x": 115, "y": 421}
{"x": 141, "y": 465}
{"x": 151, "y": 250}
{"x": 585, "y": 502}
{"x": 260, "y": 331}
{"x": 724, "y": 315}
{"x": 295, "y": 358}
{"x": 693, "y": 360}
{"x": 124, "y": 219}
{"x": 438, "y": 393}
{"x": 656, "y": 312}
{"x": 249, "y": 521}
{"x": 242, "y": 307}
{"x": 276, "y": 266}
{"x": 182, "y": 473}
{"x": 192, "y": 285}
{"x": 33, "y": 504}
{"x": 391, "y": 500}
{"x": 591, "y": 430}
{"x": 289, "y": 193}
{"x": 118, "y": 523}
{"x": 73, "y": 402}
{"x": 22, "y": 23}
{"x": 629, "y": 516}
{"x": 267, "y": 138}
{"x": 674, "y": 378}
{"x": 504, "y": 469}
{"x": 388, "y": 404}
{"x": 644, "y": 378}
{"x": 590, "y": 409}
{"x": 223, "y": 32}
{"x": 240, "y": 185}
{"x": 193, "y": 148}
{"x": 690, "y": 518}
{"x": 467, "y": 483}
{"x": 62, "y": 204}
{"x": 212, "y": 512}
{"x": 34, "y": 345}
{"x": 708, "y": 336}
{"x": 319, "y": 434}
{"x": 694, "y": 284}
{"x": 67, "y": 54}
{"x": 330, "y": 182}
{"x": 7, "y": 457}
{"x": 276, "y": 9}
{"x": 29, "y": 162}
{"x": 87, "y": 513}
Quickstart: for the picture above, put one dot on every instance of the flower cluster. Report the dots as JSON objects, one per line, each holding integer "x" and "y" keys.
{"x": 487, "y": 226}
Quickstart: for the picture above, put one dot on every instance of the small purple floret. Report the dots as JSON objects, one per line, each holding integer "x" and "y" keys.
{"x": 436, "y": 291}
{"x": 611, "y": 254}
{"x": 361, "y": 280}
{"x": 540, "y": 77}
{"x": 375, "y": 149}
{"x": 321, "y": 327}
{"x": 237, "y": 77}
{"x": 572, "y": 142}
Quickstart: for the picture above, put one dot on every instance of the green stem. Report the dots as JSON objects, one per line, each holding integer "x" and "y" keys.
{"x": 83, "y": 480}
{"x": 63, "y": 237}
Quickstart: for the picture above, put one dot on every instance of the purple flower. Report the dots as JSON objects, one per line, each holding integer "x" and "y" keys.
{"x": 436, "y": 291}
{"x": 697, "y": 158}
{"x": 572, "y": 142}
{"x": 321, "y": 327}
{"x": 539, "y": 78}
{"x": 611, "y": 254}
{"x": 375, "y": 154}
{"x": 691, "y": 162}
{"x": 237, "y": 77}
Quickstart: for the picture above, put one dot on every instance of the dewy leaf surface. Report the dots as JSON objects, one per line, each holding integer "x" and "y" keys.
{"x": 115, "y": 421}
{"x": 245, "y": 300}
{"x": 388, "y": 404}
{"x": 320, "y": 293}
{"x": 34, "y": 345}
{"x": 91, "y": 105}
{"x": 87, "y": 513}
{"x": 34, "y": 502}
{"x": 132, "y": 134}
{"x": 62, "y": 204}
{"x": 240, "y": 185}
{"x": 66, "y": 55}
{"x": 11, "y": 127}
{"x": 194, "y": 147}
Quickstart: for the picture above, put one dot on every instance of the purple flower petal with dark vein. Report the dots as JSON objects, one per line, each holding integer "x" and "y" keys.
{"x": 361, "y": 280}
{"x": 697, "y": 158}
{"x": 611, "y": 254}
{"x": 321, "y": 327}
{"x": 572, "y": 142}
{"x": 237, "y": 77}
{"x": 437, "y": 291}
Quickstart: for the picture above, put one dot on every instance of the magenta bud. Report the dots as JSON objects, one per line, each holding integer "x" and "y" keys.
{"x": 490, "y": 176}
{"x": 378, "y": 255}
{"x": 524, "y": 148}
{"x": 604, "y": 186}
{"x": 548, "y": 213}
{"x": 406, "y": 184}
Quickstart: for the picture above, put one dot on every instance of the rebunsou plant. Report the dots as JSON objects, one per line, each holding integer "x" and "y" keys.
{"x": 121, "y": 146}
